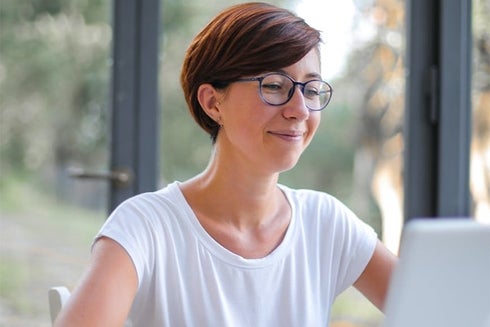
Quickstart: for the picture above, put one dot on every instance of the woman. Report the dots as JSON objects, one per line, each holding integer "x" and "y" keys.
{"x": 232, "y": 247}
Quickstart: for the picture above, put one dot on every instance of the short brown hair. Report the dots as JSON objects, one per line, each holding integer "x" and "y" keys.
{"x": 243, "y": 40}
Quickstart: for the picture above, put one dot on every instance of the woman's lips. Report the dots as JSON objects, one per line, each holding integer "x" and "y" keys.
{"x": 288, "y": 135}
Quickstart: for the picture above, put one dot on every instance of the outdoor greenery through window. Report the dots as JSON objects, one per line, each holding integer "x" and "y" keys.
{"x": 54, "y": 92}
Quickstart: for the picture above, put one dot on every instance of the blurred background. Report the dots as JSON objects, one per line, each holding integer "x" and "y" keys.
{"x": 55, "y": 71}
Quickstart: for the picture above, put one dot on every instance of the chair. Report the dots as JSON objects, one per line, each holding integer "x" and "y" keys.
{"x": 57, "y": 296}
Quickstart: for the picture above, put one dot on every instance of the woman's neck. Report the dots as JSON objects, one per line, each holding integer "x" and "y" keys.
{"x": 241, "y": 198}
{"x": 242, "y": 209}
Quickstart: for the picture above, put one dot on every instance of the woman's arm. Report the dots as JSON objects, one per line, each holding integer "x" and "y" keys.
{"x": 106, "y": 292}
{"x": 375, "y": 279}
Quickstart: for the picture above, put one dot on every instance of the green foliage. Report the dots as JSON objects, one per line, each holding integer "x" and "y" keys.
{"x": 54, "y": 76}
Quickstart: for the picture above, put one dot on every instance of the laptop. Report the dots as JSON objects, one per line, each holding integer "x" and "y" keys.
{"x": 443, "y": 277}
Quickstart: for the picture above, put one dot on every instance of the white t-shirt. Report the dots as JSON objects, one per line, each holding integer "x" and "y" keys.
{"x": 186, "y": 278}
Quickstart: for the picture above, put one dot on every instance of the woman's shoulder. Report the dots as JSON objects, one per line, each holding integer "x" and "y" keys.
{"x": 150, "y": 205}
{"x": 165, "y": 195}
{"x": 320, "y": 207}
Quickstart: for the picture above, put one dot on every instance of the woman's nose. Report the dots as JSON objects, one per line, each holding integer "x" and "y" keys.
{"x": 296, "y": 108}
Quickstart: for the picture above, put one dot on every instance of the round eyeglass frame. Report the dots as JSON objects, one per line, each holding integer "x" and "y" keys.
{"x": 291, "y": 91}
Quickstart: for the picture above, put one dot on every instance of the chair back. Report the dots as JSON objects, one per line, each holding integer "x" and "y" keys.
{"x": 57, "y": 296}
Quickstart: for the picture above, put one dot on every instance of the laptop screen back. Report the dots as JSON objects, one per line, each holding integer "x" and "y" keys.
{"x": 443, "y": 277}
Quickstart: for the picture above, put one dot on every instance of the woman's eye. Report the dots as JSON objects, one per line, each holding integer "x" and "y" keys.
{"x": 272, "y": 87}
{"x": 311, "y": 92}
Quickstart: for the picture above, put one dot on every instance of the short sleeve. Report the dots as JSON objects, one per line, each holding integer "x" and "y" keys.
{"x": 130, "y": 227}
{"x": 357, "y": 242}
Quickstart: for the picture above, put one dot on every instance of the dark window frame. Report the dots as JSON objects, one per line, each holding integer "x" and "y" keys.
{"x": 438, "y": 109}
{"x": 134, "y": 97}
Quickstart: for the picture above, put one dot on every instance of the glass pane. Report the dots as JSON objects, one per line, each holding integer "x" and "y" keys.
{"x": 357, "y": 152}
{"x": 480, "y": 147}
{"x": 54, "y": 82}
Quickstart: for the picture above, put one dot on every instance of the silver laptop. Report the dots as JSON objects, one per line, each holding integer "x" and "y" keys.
{"x": 443, "y": 278}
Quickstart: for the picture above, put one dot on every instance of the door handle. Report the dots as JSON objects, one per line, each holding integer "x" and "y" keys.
{"x": 121, "y": 177}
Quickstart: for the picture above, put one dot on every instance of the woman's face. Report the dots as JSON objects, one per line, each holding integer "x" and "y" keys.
{"x": 269, "y": 139}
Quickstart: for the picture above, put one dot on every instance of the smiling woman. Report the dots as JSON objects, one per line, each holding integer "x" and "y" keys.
{"x": 250, "y": 126}
{"x": 231, "y": 246}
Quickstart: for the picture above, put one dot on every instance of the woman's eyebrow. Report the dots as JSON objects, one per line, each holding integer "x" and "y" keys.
{"x": 309, "y": 75}
{"x": 314, "y": 75}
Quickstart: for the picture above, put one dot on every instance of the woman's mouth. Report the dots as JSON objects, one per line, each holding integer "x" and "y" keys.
{"x": 290, "y": 136}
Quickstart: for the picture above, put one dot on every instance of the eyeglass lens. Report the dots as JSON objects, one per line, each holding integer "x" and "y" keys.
{"x": 277, "y": 89}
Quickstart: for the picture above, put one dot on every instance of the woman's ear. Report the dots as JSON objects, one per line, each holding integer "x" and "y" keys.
{"x": 208, "y": 98}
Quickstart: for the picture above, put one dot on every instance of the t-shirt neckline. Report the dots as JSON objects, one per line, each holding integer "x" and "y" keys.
{"x": 219, "y": 251}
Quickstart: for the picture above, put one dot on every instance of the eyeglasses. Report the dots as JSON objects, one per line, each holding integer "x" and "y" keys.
{"x": 277, "y": 89}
